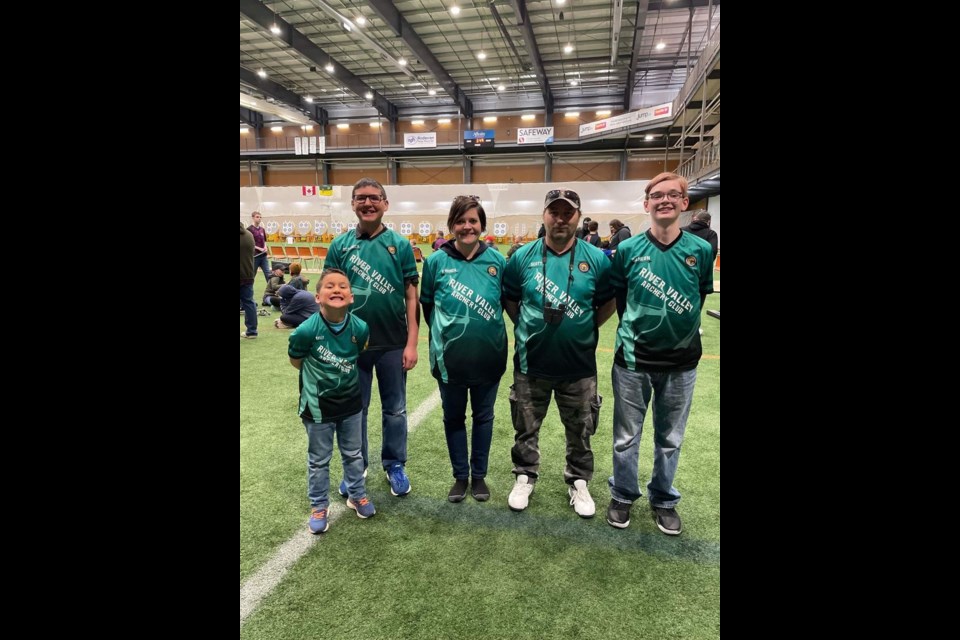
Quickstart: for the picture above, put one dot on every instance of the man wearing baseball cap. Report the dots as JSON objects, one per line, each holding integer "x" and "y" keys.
{"x": 557, "y": 293}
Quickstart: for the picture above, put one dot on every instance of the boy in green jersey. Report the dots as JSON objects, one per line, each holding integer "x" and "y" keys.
{"x": 325, "y": 349}
{"x": 661, "y": 278}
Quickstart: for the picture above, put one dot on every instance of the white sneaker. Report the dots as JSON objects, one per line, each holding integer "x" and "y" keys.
{"x": 580, "y": 499}
{"x": 701, "y": 330}
{"x": 520, "y": 494}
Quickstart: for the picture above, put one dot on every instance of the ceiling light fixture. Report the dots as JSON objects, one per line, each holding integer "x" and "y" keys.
{"x": 568, "y": 48}
{"x": 262, "y": 73}
{"x": 661, "y": 46}
{"x": 416, "y": 122}
{"x": 455, "y": 10}
{"x": 368, "y": 95}
{"x": 572, "y": 114}
{"x": 648, "y": 137}
{"x": 361, "y": 20}
{"x": 443, "y": 121}
{"x": 329, "y": 67}
{"x": 431, "y": 92}
{"x": 402, "y": 61}
{"x": 274, "y": 29}
{"x": 308, "y": 100}
{"x": 527, "y": 116}
{"x": 347, "y": 26}
{"x": 500, "y": 87}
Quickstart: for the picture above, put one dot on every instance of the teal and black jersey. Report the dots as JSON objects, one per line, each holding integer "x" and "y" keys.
{"x": 378, "y": 268}
{"x": 468, "y": 339}
{"x": 659, "y": 327}
{"x": 329, "y": 379}
{"x": 576, "y": 281}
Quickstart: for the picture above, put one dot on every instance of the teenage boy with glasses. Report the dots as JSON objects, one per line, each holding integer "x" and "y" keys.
{"x": 556, "y": 290}
{"x": 383, "y": 276}
{"x": 661, "y": 279}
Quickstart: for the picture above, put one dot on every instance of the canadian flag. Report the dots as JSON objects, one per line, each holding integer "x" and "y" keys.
{"x": 309, "y": 191}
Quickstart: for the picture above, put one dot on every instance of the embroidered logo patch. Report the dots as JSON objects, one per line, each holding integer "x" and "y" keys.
{"x": 492, "y": 271}
{"x": 584, "y": 267}
{"x": 691, "y": 261}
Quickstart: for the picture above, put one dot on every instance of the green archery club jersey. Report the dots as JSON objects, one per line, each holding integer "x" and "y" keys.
{"x": 659, "y": 327}
{"x": 578, "y": 280}
{"x": 468, "y": 339}
{"x": 377, "y": 267}
{"x": 329, "y": 379}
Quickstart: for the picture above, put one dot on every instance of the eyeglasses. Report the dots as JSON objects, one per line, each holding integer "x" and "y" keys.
{"x": 660, "y": 195}
{"x": 373, "y": 199}
{"x": 556, "y": 194}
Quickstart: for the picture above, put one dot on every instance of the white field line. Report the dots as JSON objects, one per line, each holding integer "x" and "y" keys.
{"x": 260, "y": 584}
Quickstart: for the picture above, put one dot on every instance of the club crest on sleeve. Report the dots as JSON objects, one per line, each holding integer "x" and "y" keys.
{"x": 392, "y": 249}
{"x": 492, "y": 271}
{"x": 584, "y": 267}
{"x": 691, "y": 261}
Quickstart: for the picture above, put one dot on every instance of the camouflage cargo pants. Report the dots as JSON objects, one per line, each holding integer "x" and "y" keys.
{"x": 579, "y": 407}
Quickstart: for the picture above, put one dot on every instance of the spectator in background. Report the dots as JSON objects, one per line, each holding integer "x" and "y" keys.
{"x": 618, "y": 233}
{"x": 296, "y": 305}
{"x": 661, "y": 279}
{"x": 297, "y": 281}
{"x": 440, "y": 239}
{"x": 271, "y": 295}
{"x": 247, "y": 274}
{"x": 517, "y": 243}
{"x": 413, "y": 247}
{"x": 592, "y": 236}
{"x": 460, "y": 294}
{"x": 701, "y": 227}
{"x": 584, "y": 228}
{"x": 259, "y": 246}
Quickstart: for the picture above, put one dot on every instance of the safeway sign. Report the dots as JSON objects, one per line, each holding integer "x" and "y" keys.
{"x": 535, "y": 135}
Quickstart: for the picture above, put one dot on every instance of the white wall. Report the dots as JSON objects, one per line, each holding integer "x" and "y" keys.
{"x": 511, "y": 209}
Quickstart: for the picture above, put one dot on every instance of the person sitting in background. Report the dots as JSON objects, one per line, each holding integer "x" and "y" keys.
{"x": 296, "y": 305}
{"x": 592, "y": 236}
{"x": 517, "y": 243}
{"x": 618, "y": 233}
{"x": 297, "y": 281}
{"x": 271, "y": 295}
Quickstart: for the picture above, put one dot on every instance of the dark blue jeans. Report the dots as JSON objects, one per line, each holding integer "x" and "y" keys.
{"x": 482, "y": 399}
{"x": 260, "y": 262}
{"x": 249, "y": 308}
{"x": 392, "y": 382}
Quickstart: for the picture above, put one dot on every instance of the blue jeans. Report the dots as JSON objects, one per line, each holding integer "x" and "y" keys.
{"x": 319, "y": 452}
{"x": 392, "y": 382}
{"x": 249, "y": 308}
{"x": 482, "y": 399}
{"x": 672, "y": 395}
{"x": 260, "y": 262}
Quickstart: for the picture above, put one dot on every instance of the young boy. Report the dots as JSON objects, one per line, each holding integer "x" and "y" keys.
{"x": 325, "y": 349}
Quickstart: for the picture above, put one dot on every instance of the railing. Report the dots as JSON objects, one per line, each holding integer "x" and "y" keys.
{"x": 705, "y": 161}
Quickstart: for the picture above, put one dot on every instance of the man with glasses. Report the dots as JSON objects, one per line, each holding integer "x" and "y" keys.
{"x": 661, "y": 279}
{"x": 383, "y": 275}
{"x": 556, "y": 290}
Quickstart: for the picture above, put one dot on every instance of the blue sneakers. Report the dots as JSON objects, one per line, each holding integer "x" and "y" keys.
{"x": 363, "y": 507}
{"x": 343, "y": 489}
{"x": 318, "y": 521}
{"x": 399, "y": 482}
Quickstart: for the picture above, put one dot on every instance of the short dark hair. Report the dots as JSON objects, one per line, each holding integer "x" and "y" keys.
{"x": 368, "y": 182}
{"x": 702, "y": 216}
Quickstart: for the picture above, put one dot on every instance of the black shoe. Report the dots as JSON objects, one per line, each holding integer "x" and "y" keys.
{"x": 480, "y": 490}
{"x": 618, "y": 514}
{"x": 458, "y": 491}
{"x": 667, "y": 520}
